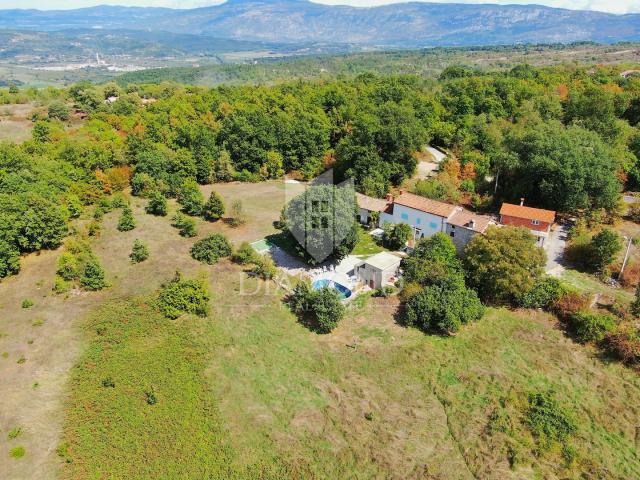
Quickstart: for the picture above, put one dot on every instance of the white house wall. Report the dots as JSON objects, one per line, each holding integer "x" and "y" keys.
{"x": 428, "y": 223}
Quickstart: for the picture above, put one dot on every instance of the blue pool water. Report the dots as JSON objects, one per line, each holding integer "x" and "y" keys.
{"x": 325, "y": 282}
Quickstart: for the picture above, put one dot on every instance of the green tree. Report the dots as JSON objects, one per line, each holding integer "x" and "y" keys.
{"x": 42, "y": 224}
{"x": 191, "y": 198}
{"x": 139, "y": 252}
{"x": 603, "y": 249}
{"x": 504, "y": 264}
{"x": 126, "y": 221}
{"x": 214, "y": 208}
{"x": 396, "y": 236}
{"x": 93, "y": 276}
{"x": 211, "y": 248}
{"x": 321, "y": 310}
{"x": 443, "y": 308}
{"x": 185, "y": 225}
{"x": 58, "y": 110}
{"x": 157, "y": 205}
{"x": 238, "y": 217}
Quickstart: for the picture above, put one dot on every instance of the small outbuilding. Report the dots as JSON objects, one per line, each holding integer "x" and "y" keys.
{"x": 379, "y": 270}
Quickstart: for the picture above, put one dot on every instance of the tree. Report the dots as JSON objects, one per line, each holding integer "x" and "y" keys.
{"x": 272, "y": 167}
{"x": 432, "y": 261}
{"x": 396, "y": 236}
{"x": 185, "y": 225}
{"x": 223, "y": 168}
{"x": 139, "y": 252}
{"x": 127, "y": 221}
{"x": 320, "y": 310}
{"x": 211, "y": 248}
{"x": 157, "y": 205}
{"x": 42, "y": 224}
{"x": 93, "y": 277}
{"x": 238, "y": 216}
{"x": 214, "y": 208}
{"x": 9, "y": 258}
{"x": 58, "y": 110}
{"x": 190, "y": 197}
{"x": 504, "y": 264}
{"x": 443, "y": 308}
{"x": 603, "y": 249}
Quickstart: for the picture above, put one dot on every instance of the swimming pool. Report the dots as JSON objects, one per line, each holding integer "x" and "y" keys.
{"x": 325, "y": 282}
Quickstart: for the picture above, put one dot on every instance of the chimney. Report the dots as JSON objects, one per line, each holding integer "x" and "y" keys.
{"x": 472, "y": 224}
{"x": 521, "y": 201}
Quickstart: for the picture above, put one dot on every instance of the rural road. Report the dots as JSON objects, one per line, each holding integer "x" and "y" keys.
{"x": 554, "y": 246}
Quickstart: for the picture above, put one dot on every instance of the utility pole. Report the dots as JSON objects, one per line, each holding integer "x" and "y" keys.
{"x": 626, "y": 256}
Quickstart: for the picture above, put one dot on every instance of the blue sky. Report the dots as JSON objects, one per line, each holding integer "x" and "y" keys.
{"x": 615, "y": 6}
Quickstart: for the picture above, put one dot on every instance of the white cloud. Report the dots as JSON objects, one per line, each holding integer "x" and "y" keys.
{"x": 613, "y": 6}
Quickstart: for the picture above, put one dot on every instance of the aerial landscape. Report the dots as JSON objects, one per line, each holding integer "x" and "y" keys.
{"x": 281, "y": 239}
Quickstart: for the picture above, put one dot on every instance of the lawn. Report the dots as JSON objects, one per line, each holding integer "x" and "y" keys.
{"x": 366, "y": 244}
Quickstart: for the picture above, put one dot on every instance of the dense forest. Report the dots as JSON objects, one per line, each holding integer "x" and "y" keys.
{"x": 566, "y": 138}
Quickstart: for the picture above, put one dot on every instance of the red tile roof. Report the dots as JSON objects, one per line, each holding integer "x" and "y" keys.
{"x": 529, "y": 213}
{"x": 463, "y": 218}
{"x": 425, "y": 204}
{"x": 371, "y": 204}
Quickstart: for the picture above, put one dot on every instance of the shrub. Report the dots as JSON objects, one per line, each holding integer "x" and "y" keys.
{"x": 68, "y": 268}
{"x": 126, "y": 221}
{"x": 17, "y": 452}
{"x": 544, "y": 294}
{"x": 603, "y": 249}
{"x": 214, "y": 208}
{"x": 568, "y": 304}
{"x": 27, "y": 303}
{"x": 118, "y": 201}
{"x": 139, "y": 252}
{"x": 631, "y": 275}
{"x": 211, "y": 248}
{"x": 624, "y": 343}
{"x": 384, "y": 292}
{"x": 191, "y": 199}
{"x": 183, "y": 296}
{"x": 93, "y": 277}
{"x": 186, "y": 226}
{"x": 635, "y": 305}
{"x": 443, "y": 308}
{"x": 238, "y": 216}
{"x": 396, "y": 236}
{"x": 58, "y": 110}
{"x": 245, "y": 254}
{"x": 592, "y": 327}
{"x": 60, "y": 285}
{"x": 548, "y": 421}
{"x": 157, "y": 205}
{"x": 14, "y": 433}
{"x": 264, "y": 267}
{"x": 94, "y": 228}
{"x": 320, "y": 310}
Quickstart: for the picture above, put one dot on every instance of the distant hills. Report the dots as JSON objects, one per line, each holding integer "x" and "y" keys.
{"x": 300, "y": 21}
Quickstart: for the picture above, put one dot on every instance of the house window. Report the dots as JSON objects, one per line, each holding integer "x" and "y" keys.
{"x": 452, "y": 234}
{"x": 417, "y": 221}
{"x": 535, "y": 222}
{"x": 404, "y": 216}
{"x": 433, "y": 225}
{"x": 324, "y": 222}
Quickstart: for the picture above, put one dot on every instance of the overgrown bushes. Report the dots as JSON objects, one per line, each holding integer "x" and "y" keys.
{"x": 78, "y": 266}
{"x": 211, "y": 248}
{"x": 186, "y": 226}
{"x": 181, "y": 296}
{"x": 396, "y": 236}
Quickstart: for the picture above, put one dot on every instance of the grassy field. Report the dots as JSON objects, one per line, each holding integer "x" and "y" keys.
{"x": 248, "y": 392}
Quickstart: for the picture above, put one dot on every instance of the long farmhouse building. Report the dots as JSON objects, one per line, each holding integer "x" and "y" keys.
{"x": 428, "y": 217}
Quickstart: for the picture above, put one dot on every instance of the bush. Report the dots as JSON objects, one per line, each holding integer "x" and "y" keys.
{"x": 186, "y": 226}
{"x": 568, "y": 304}
{"x": 58, "y": 110}
{"x": 320, "y": 310}
{"x": 264, "y": 267}
{"x": 157, "y": 205}
{"x": 68, "y": 268}
{"x": 635, "y": 305}
{"x": 238, "y": 216}
{"x": 214, "y": 208}
{"x": 118, "y": 201}
{"x": 603, "y": 249}
{"x": 17, "y": 452}
{"x": 139, "y": 252}
{"x": 548, "y": 421}
{"x": 384, "y": 292}
{"x": 396, "y": 236}
{"x": 591, "y": 327}
{"x": 183, "y": 296}
{"x": 443, "y": 308}
{"x": 93, "y": 277}
{"x": 27, "y": 303}
{"x": 126, "y": 221}
{"x": 624, "y": 343}
{"x": 191, "y": 199}
{"x": 245, "y": 254}
{"x": 544, "y": 294}
{"x": 211, "y": 248}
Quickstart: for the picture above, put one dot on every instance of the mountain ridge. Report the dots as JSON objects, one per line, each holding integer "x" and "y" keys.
{"x": 401, "y": 25}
